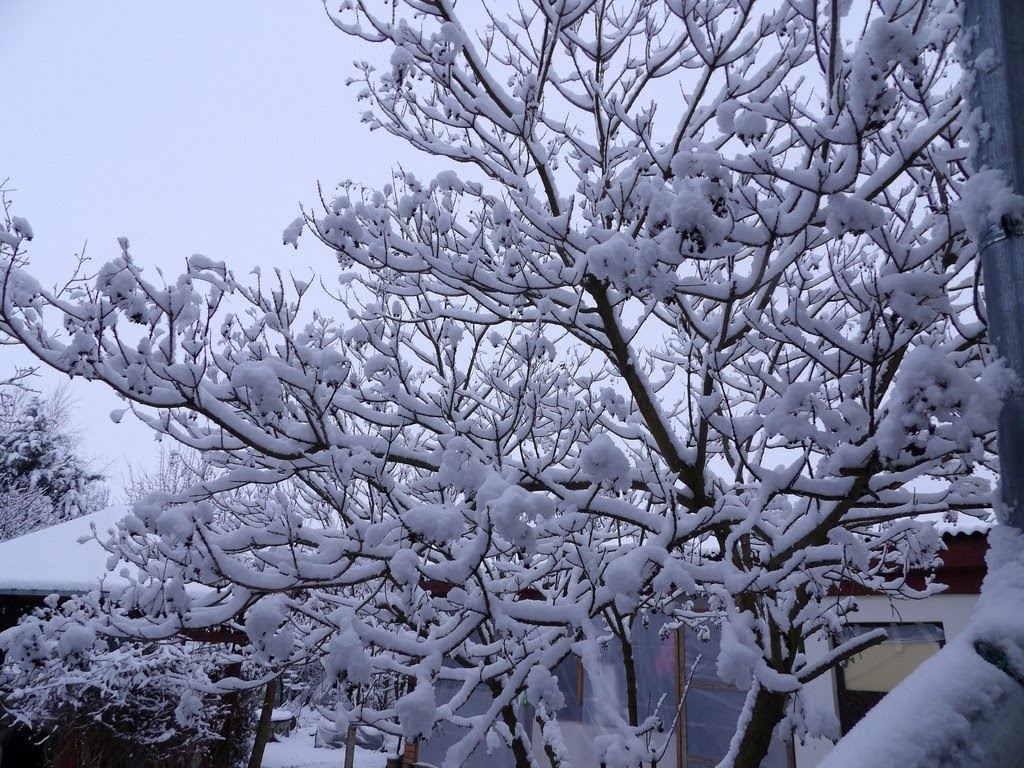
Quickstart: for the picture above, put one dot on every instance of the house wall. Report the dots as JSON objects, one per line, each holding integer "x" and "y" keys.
{"x": 952, "y": 611}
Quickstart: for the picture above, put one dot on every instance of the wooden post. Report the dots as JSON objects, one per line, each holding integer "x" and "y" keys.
{"x": 263, "y": 730}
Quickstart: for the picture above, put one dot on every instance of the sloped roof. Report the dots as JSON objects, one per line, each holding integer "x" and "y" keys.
{"x": 53, "y": 561}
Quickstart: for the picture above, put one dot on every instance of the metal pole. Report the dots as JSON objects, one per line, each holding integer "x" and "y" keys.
{"x": 998, "y": 25}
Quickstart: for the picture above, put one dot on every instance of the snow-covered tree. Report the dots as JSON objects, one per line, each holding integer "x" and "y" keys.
{"x": 690, "y": 327}
{"x": 43, "y": 479}
{"x": 177, "y": 470}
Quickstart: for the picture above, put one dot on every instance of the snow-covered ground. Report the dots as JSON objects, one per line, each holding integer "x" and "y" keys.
{"x": 297, "y": 751}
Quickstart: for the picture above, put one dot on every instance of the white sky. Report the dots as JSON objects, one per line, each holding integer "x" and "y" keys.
{"x": 188, "y": 126}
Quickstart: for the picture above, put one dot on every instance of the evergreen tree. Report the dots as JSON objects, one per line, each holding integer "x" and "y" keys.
{"x": 43, "y": 481}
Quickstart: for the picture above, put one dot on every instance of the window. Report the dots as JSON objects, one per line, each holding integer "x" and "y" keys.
{"x": 864, "y": 679}
{"x": 569, "y": 673}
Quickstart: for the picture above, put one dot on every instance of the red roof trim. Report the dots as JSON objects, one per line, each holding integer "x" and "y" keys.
{"x": 962, "y": 569}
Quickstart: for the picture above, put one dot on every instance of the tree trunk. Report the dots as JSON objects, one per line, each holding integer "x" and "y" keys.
{"x": 520, "y": 752}
{"x": 632, "y": 696}
{"x": 769, "y": 707}
{"x": 263, "y": 730}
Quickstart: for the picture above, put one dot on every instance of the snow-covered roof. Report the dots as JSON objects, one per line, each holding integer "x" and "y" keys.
{"x": 965, "y": 525}
{"x": 51, "y": 560}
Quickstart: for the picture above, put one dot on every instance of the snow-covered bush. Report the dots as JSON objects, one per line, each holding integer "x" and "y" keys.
{"x": 697, "y": 325}
{"x": 130, "y": 704}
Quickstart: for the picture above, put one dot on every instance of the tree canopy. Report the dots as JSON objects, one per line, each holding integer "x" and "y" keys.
{"x": 690, "y": 328}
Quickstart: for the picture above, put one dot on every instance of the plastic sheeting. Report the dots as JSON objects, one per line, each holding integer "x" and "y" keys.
{"x": 701, "y": 724}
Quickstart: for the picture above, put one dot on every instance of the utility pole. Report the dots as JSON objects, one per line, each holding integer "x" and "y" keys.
{"x": 998, "y": 91}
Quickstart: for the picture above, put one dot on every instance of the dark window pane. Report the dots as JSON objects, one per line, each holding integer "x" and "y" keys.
{"x": 655, "y": 659}
{"x": 702, "y": 650}
{"x": 433, "y": 749}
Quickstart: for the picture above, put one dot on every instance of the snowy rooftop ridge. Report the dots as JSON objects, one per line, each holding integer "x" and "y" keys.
{"x": 52, "y": 561}
{"x": 962, "y": 525}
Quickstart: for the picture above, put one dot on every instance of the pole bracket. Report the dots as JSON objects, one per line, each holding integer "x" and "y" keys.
{"x": 1007, "y": 227}
{"x": 997, "y": 657}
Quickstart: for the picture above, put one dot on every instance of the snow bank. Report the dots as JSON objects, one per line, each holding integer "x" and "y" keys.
{"x": 297, "y": 751}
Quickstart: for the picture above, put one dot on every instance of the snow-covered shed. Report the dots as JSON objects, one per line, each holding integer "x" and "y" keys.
{"x": 55, "y": 560}
{"x": 65, "y": 560}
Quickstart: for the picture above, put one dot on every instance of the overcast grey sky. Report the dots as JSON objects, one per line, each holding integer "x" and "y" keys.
{"x": 191, "y": 126}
